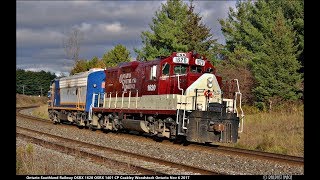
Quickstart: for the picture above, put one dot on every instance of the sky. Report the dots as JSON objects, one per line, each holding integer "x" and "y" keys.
{"x": 41, "y": 27}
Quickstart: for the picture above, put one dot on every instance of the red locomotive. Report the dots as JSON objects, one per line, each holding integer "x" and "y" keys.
{"x": 175, "y": 96}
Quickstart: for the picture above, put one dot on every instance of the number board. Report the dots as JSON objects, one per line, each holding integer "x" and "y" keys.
{"x": 200, "y": 62}
{"x": 180, "y": 59}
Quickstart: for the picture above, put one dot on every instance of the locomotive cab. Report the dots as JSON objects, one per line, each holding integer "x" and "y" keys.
{"x": 180, "y": 70}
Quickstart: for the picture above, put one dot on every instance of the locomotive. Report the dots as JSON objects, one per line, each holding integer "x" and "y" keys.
{"x": 179, "y": 96}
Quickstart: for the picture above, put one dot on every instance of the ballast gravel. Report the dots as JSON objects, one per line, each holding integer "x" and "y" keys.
{"x": 220, "y": 162}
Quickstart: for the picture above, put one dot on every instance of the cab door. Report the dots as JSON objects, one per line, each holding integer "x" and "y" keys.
{"x": 150, "y": 84}
{"x": 164, "y": 79}
{"x": 179, "y": 78}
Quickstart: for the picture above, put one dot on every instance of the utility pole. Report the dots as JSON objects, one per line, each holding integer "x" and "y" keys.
{"x": 23, "y": 89}
{"x": 41, "y": 91}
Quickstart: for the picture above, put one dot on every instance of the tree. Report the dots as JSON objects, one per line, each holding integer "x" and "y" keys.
{"x": 79, "y": 66}
{"x": 175, "y": 28}
{"x": 85, "y": 65}
{"x": 95, "y": 62}
{"x": 261, "y": 38}
{"x": 293, "y": 11}
{"x": 110, "y": 59}
{"x": 235, "y": 65}
{"x": 72, "y": 44}
{"x": 276, "y": 72}
{"x": 116, "y": 55}
{"x": 196, "y": 35}
{"x": 33, "y": 83}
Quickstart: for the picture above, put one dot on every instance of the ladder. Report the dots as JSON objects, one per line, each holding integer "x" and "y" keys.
{"x": 184, "y": 118}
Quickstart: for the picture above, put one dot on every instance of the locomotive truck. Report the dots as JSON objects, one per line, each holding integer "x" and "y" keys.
{"x": 172, "y": 97}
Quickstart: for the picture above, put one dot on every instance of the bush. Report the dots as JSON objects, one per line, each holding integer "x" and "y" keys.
{"x": 260, "y": 105}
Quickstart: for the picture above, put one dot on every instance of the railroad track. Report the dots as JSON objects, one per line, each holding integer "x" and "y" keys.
{"x": 144, "y": 164}
{"x": 262, "y": 155}
{"x": 292, "y": 160}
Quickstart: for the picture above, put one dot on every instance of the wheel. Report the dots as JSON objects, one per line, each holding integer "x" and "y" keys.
{"x": 56, "y": 120}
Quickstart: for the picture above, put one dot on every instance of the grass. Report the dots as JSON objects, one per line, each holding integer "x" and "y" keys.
{"x": 280, "y": 131}
{"x": 25, "y": 161}
{"x": 26, "y": 100}
{"x": 32, "y": 162}
{"x": 41, "y": 112}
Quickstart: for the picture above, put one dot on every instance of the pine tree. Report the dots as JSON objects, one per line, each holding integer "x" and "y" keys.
{"x": 175, "y": 28}
{"x": 33, "y": 83}
{"x": 294, "y": 13}
{"x": 260, "y": 37}
{"x": 196, "y": 35}
{"x": 116, "y": 55}
{"x": 276, "y": 71}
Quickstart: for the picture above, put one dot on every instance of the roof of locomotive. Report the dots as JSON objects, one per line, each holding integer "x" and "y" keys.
{"x": 81, "y": 74}
{"x": 133, "y": 64}
{"x": 79, "y": 79}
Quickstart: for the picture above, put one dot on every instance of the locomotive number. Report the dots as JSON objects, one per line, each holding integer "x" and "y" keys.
{"x": 183, "y": 60}
{"x": 200, "y": 62}
{"x": 151, "y": 87}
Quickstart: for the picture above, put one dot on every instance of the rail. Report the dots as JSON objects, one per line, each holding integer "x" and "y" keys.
{"x": 155, "y": 164}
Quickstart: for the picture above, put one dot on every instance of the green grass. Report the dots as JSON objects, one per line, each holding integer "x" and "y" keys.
{"x": 41, "y": 112}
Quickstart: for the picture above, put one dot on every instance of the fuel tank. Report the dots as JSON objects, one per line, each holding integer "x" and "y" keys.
{"x": 135, "y": 125}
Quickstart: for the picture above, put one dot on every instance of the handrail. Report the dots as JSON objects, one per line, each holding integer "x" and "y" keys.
{"x": 177, "y": 118}
{"x": 137, "y": 98}
{"x": 129, "y": 99}
{"x": 235, "y": 100}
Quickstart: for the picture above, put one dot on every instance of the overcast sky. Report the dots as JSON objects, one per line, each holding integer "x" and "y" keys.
{"x": 42, "y": 26}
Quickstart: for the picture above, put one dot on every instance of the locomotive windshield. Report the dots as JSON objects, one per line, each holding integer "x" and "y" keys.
{"x": 196, "y": 69}
{"x": 180, "y": 69}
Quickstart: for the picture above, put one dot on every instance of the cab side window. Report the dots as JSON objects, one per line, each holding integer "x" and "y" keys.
{"x": 165, "y": 69}
{"x": 153, "y": 72}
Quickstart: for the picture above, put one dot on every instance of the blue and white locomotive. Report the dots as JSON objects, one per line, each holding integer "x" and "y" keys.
{"x": 70, "y": 98}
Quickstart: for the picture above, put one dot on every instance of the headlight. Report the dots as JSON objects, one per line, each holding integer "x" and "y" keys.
{"x": 210, "y": 82}
{"x": 229, "y": 109}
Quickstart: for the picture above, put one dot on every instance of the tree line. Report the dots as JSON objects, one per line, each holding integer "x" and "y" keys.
{"x": 33, "y": 83}
{"x": 264, "y": 46}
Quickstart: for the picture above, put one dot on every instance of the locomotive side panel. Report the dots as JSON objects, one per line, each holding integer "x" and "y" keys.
{"x": 95, "y": 85}
{"x": 69, "y": 96}
{"x": 73, "y": 90}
